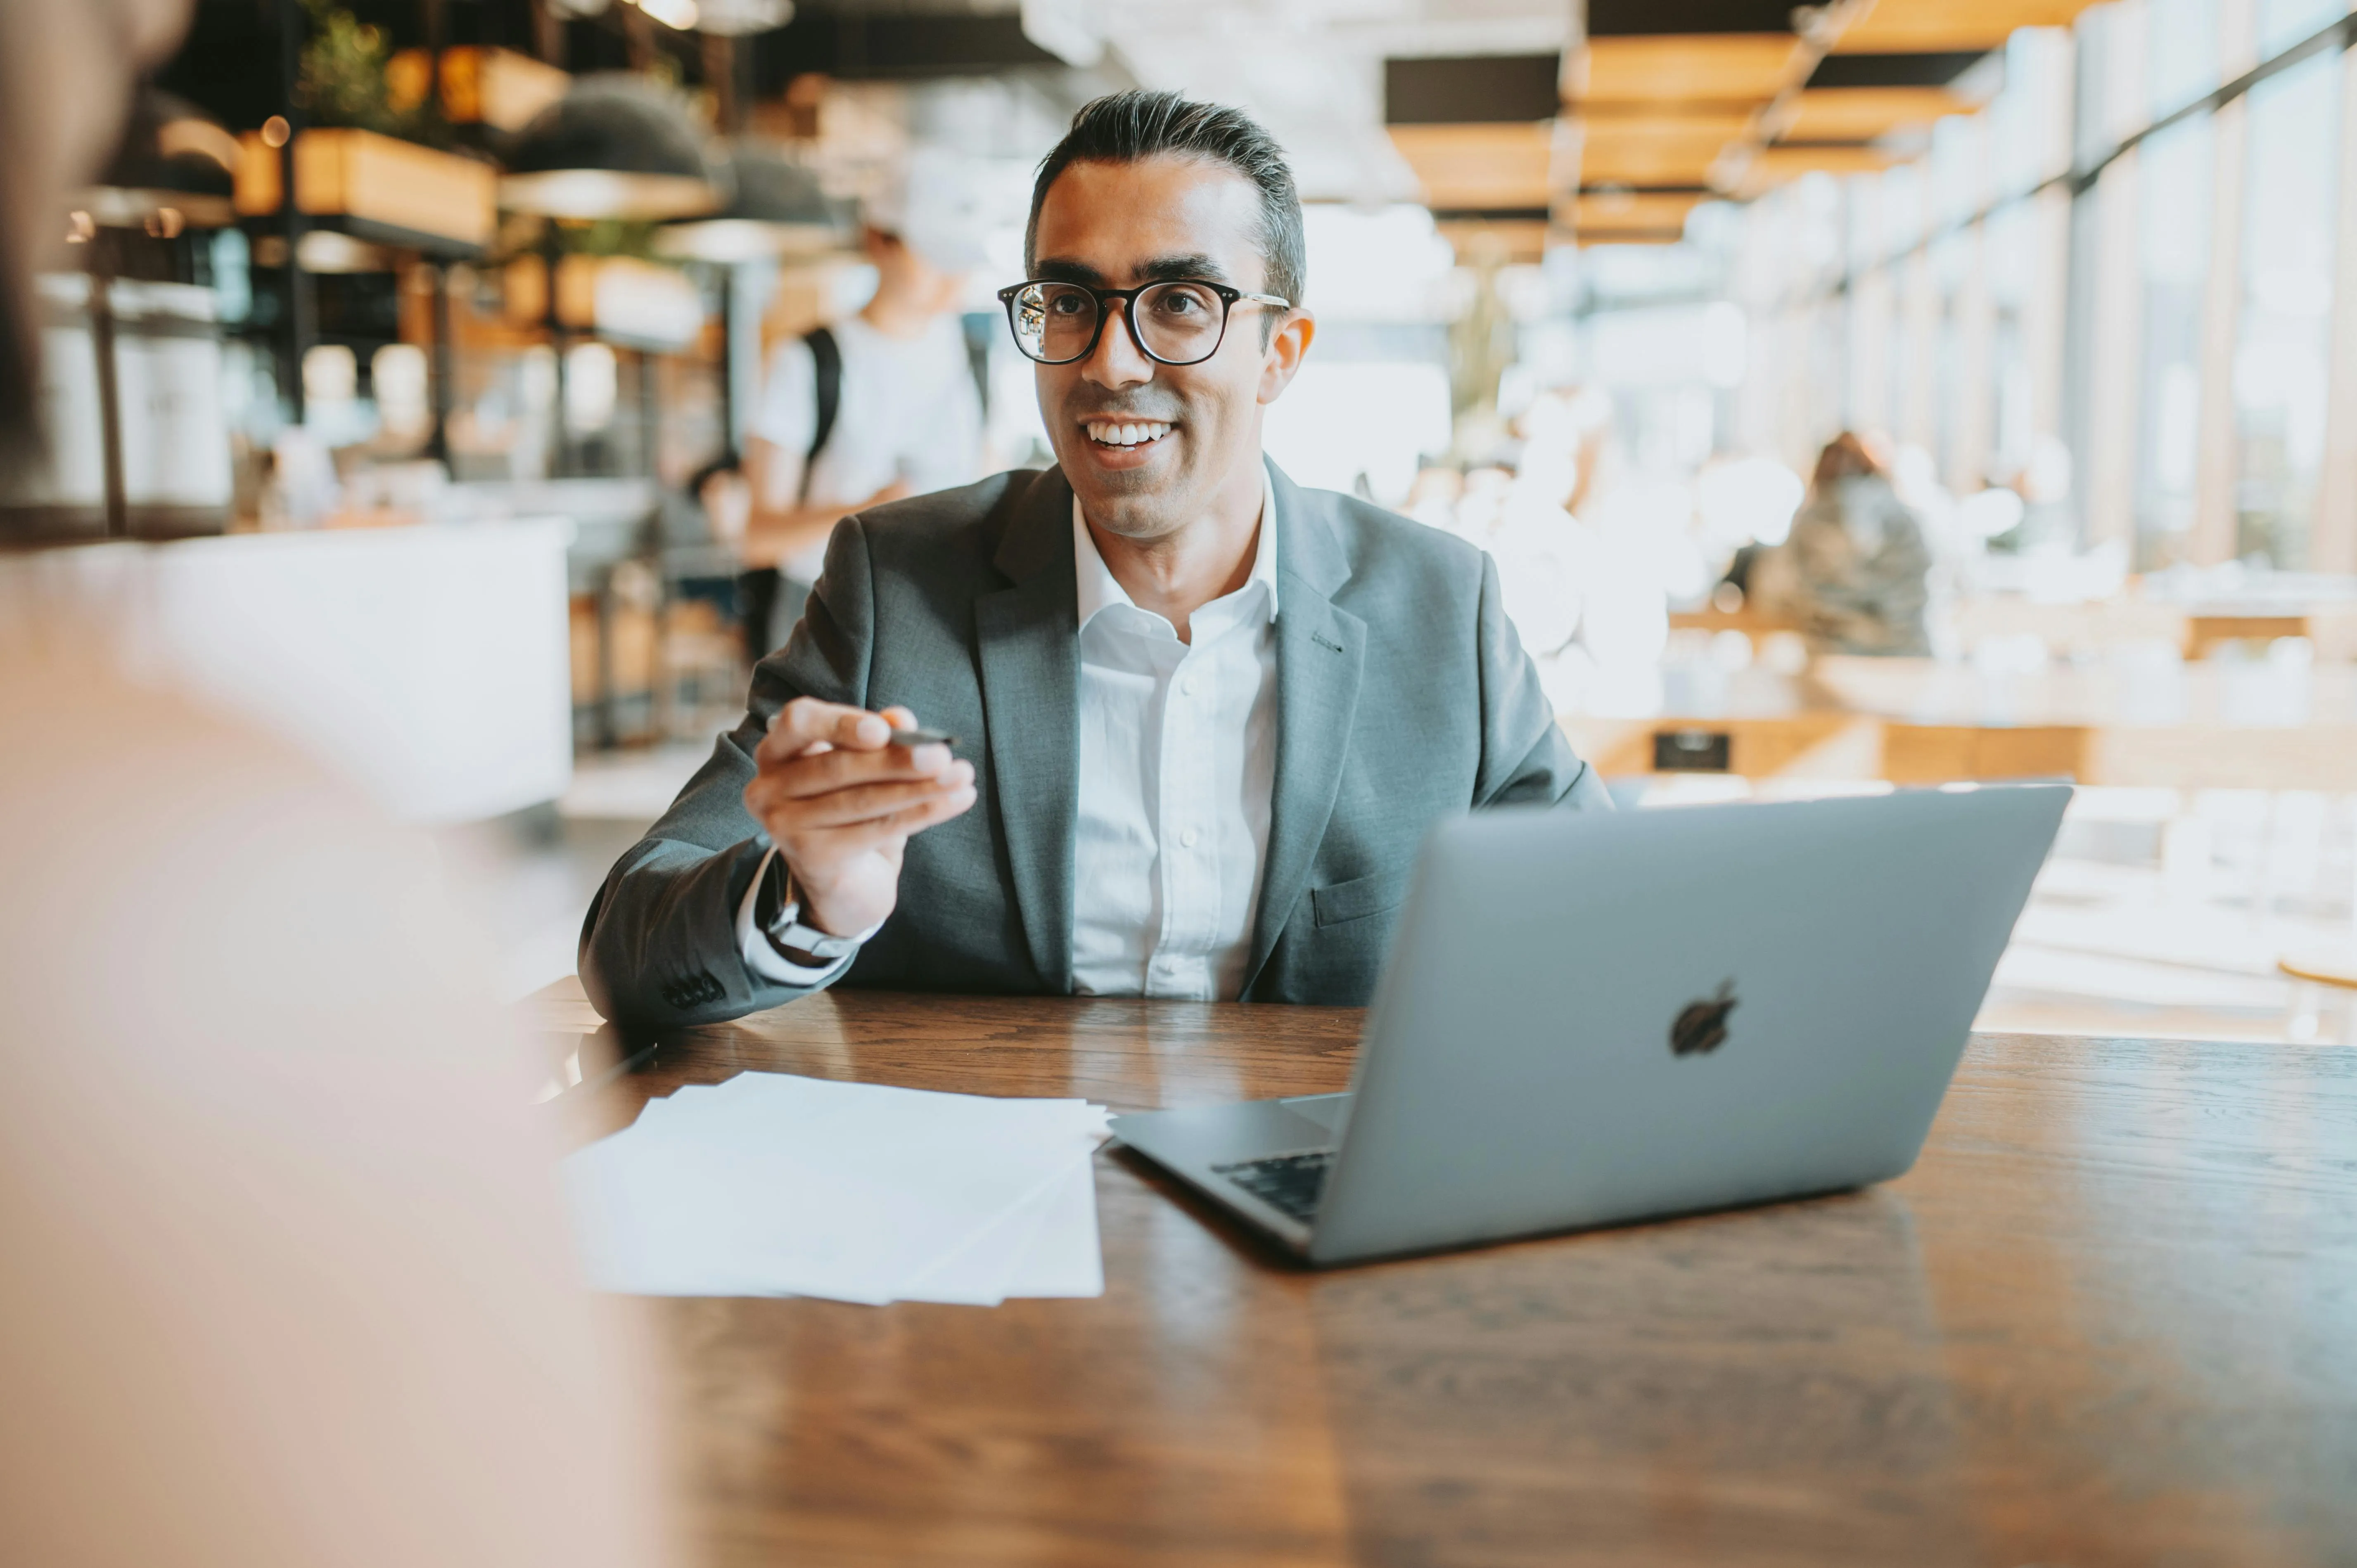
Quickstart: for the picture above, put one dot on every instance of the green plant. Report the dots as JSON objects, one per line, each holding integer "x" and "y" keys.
{"x": 343, "y": 79}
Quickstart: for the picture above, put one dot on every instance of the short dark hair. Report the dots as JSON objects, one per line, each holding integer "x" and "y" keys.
{"x": 1126, "y": 127}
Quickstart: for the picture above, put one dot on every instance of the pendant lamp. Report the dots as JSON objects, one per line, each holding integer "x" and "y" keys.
{"x": 614, "y": 146}
{"x": 778, "y": 211}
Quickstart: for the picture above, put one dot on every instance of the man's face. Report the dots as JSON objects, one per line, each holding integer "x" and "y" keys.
{"x": 1123, "y": 226}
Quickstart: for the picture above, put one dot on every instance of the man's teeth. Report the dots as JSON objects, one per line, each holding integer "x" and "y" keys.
{"x": 1112, "y": 434}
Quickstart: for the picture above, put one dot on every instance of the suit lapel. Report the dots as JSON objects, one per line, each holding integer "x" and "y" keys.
{"x": 1027, "y": 650}
{"x": 1320, "y": 655}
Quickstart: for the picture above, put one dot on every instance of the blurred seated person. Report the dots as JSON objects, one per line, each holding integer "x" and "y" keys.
{"x": 1854, "y": 573}
{"x": 878, "y": 406}
{"x": 288, "y": 1281}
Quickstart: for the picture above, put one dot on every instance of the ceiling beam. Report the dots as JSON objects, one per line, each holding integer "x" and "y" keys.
{"x": 1479, "y": 166}
{"x": 1919, "y": 26}
{"x": 1653, "y": 210}
{"x": 1781, "y": 164}
{"x": 1863, "y": 113}
{"x": 1736, "y": 68}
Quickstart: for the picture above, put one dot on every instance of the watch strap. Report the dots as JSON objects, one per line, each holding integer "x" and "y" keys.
{"x": 778, "y": 911}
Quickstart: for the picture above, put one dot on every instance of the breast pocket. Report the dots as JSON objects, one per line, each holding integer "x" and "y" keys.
{"x": 1356, "y": 900}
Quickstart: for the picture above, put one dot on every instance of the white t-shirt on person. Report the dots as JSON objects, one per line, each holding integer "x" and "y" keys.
{"x": 908, "y": 412}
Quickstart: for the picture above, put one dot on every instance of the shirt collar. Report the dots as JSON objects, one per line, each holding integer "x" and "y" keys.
{"x": 1099, "y": 590}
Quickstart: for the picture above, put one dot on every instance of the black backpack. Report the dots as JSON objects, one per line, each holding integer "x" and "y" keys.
{"x": 758, "y": 590}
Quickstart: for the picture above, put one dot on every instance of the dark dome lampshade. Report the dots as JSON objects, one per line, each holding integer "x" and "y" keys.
{"x": 778, "y": 211}
{"x": 174, "y": 160}
{"x": 612, "y": 148}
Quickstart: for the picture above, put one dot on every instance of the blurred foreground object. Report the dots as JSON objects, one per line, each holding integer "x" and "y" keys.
{"x": 286, "y": 1260}
{"x": 426, "y": 666}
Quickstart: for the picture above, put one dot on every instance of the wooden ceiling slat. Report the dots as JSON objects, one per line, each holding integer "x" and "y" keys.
{"x": 1712, "y": 68}
{"x": 1479, "y": 166}
{"x": 1862, "y": 114}
{"x": 1614, "y": 146}
{"x": 1513, "y": 239}
{"x": 1773, "y": 165}
{"x": 1791, "y": 160}
{"x": 1907, "y": 26}
{"x": 1596, "y": 212}
{"x": 1633, "y": 121}
{"x": 1648, "y": 160}
{"x": 1632, "y": 237}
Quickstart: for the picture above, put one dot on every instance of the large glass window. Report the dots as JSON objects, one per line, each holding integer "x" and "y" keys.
{"x": 2012, "y": 272}
{"x": 1869, "y": 308}
{"x": 2283, "y": 23}
{"x": 2181, "y": 51}
{"x": 2174, "y": 254}
{"x": 2282, "y": 360}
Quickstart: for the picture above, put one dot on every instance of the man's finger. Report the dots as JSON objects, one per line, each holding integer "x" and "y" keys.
{"x": 888, "y": 830}
{"x": 867, "y": 802}
{"x": 806, "y": 721}
{"x": 803, "y": 791}
{"x": 807, "y": 776}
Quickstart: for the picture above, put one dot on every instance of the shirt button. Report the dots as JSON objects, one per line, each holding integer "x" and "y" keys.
{"x": 1187, "y": 686}
{"x": 1188, "y": 837}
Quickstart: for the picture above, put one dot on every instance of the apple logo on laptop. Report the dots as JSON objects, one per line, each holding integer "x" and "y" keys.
{"x": 1703, "y": 1025}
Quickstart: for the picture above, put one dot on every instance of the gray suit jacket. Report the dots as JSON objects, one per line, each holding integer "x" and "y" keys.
{"x": 1403, "y": 696}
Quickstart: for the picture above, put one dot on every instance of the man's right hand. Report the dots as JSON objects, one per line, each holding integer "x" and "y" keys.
{"x": 840, "y": 802}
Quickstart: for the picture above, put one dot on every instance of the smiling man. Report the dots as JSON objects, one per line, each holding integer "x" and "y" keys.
{"x": 1201, "y": 717}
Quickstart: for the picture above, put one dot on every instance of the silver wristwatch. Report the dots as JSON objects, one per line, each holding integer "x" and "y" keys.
{"x": 778, "y": 912}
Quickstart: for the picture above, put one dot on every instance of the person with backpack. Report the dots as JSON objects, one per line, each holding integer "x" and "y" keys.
{"x": 880, "y": 405}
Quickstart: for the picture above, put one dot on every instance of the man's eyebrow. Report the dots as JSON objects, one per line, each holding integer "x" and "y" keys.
{"x": 1165, "y": 268}
{"x": 1064, "y": 270}
{"x": 1161, "y": 269}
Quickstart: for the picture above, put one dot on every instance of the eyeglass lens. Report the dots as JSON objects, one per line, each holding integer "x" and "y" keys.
{"x": 1178, "y": 323}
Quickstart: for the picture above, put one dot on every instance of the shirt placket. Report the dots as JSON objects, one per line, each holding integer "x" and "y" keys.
{"x": 1180, "y": 830}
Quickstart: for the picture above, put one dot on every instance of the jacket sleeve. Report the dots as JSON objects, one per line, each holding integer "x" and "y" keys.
{"x": 1525, "y": 759}
{"x": 659, "y": 947}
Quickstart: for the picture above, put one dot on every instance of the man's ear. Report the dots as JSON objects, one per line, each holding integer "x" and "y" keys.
{"x": 1286, "y": 346}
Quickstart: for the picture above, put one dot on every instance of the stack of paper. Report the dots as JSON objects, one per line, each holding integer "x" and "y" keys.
{"x": 772, "y": 1185}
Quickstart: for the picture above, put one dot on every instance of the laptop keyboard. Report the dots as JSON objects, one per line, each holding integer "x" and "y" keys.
{"x": 1290, "y": 1184}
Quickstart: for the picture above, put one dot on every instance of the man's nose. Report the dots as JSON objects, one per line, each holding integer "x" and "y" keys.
{"x": 1117, "y": 361}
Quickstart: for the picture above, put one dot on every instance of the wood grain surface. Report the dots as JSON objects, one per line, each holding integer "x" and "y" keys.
{"x": 2111, "y": 1317}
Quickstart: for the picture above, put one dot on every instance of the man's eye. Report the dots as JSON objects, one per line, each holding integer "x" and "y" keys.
{"x": 1068, "y": 305}
{"x": 1180, "y": 303}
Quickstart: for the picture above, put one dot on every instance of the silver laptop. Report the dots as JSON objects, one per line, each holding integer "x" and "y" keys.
{"x": 1588, "y": 1019}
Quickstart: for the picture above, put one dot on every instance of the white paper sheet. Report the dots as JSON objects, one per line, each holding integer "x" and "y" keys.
{"x": 775, "y": 1185}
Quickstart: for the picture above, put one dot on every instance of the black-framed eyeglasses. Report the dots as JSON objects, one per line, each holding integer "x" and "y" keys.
{"x": 1181, "y": 322}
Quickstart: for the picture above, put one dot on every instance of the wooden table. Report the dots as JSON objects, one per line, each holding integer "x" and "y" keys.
{"x": 1917, "y": 721}
{"x": 2110, "y": 1318}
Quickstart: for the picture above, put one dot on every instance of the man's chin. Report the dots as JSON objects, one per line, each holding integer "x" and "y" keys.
{"x": 1134, "y": 504}
{"x": 1119, "y": 471}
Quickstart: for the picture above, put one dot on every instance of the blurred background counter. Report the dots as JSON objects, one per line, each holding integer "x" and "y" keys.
{"x": 427, "y": 663}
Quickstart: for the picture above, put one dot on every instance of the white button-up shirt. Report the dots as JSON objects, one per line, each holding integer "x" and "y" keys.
{"x": 1177, "y": 759}
{"x": 1178, "y": 769}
